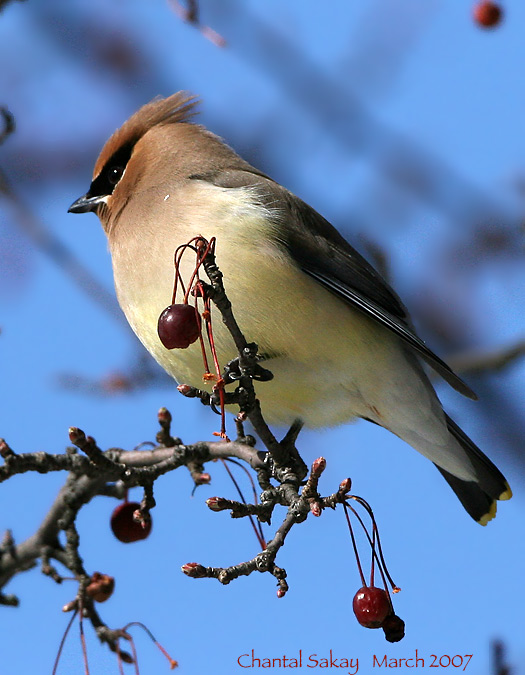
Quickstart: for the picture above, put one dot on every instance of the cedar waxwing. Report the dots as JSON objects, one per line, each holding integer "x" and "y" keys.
{"x": 336, "y": 337}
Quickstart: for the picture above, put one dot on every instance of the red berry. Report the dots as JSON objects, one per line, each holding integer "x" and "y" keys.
{"x": 487, "y": 14}
{"x": 394, "y": 628}
{"x": 125, "y": 527}
{"x": 371, "y": 606}
{"x": 179, "y": 326}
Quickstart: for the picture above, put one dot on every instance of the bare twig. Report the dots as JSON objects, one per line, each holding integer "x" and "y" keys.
{"x": 499, "y": 662}
{"x": 472, "y": 362}
{"x": 8, "y": 119}
{"x": 190, "y": 14}
{"x": 60, "y": 254}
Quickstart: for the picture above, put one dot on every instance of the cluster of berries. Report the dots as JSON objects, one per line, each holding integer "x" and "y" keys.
{"x": 373, "y": 609}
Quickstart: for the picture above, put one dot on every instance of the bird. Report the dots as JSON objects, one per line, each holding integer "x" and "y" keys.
{"x": 337, "y": 338}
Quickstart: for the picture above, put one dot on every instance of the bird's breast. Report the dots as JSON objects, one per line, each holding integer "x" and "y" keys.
{"x": 313, "y": 340}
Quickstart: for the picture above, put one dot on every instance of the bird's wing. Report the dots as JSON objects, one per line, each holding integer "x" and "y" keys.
{"x": 322, "y": 253}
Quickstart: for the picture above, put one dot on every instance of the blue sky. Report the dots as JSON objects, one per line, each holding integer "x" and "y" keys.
{"x": 335, "y": 104}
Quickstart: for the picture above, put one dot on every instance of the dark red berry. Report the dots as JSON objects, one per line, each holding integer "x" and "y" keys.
{"x": 394, "y": 628}
{"x": 487, "y": 14}
{"x": 179, "y": 326}
{"x": 371, "y": 606}
{"x": 125, "y": 527}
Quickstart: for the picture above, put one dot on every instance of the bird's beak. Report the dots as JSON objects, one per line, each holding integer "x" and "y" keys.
{"x": 84, "y": 204}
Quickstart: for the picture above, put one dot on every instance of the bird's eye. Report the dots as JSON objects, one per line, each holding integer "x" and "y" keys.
{"x": 115, "y": 174}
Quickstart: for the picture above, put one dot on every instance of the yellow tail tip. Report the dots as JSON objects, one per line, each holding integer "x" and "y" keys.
{"x": 489, "y": 515}
{"x": 506, "y": 494}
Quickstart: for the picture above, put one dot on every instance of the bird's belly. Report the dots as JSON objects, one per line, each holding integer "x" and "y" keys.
{"x": 327, "y": 359}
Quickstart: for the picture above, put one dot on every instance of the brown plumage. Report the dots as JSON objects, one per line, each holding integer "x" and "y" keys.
{"x": 176, "y": 109}
{"x": 336, "y": 337}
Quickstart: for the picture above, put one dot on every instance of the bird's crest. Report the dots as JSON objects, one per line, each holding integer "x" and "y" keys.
{"x": 179, "y": 107}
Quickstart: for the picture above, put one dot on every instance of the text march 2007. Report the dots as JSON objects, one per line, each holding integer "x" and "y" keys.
{"x": 350, "y": 665}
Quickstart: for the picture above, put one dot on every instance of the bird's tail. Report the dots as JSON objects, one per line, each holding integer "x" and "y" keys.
{"x": 478, "y": 497}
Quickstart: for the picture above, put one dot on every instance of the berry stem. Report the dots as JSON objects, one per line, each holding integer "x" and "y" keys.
{"x": 258, "y": 531}
{"x": 173, "y": 663}
{"x": 135, "y": 656}
{"x": 177, "y": 257}
{"x": 250, "y": 478}
{"x": 83, "y": 641}
{"x": 119, "y": 661}
{"x": 62, "y": 641}
{"x": 202, "y": 248}
{"x": 366, "y": 505}
{"x": 255, "y": 497}
{"x": 356, "y": 552}
{"x": 371, "y": 542}
{"x": 372, "y": 564}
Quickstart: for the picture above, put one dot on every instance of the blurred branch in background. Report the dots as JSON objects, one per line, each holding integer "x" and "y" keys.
{"x": 499, "y": 662}
{"x": 377, "y": 55}
{"x": 190, "y": 14}
{"x": 9, "y": 124}
{"x": 3, "y": 3}
{"x": 478, "y": 362}
{"x": 340, "y": 113}
{"x": 47, "y": 242}
{"x": 141, "y": 372}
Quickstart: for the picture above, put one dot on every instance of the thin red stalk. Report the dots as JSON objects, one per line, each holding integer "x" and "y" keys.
{"x": 395, "y": 587}
{"x": 83, "y": 643}
{"x": 177, "y": 256}
{"x": 209, "y": 246}
{"x": 204, "y": 355}
{"x": 134, "y": 655}
{"x": 356, "y": 553}
{"x": 194, "y": 282}
{"x": 260, "y": 536}
{"x": 140, "y": 625}
{"x": 173, "y": 663}
{"x": 374, "y": 554}
{"x": 372, "y": 566}
{"x": 250, "y": 478}
{"x": 367, "y": 506}
{"x": 220, "y": 383}
{"x": 203, "y": 346}
{"x": 119, "y": 661}
{"x": 62, "y": 642}
{"x": 209, "y": 331}
{"x": 255, "y": 497}
{"x": 201, "y": 338}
